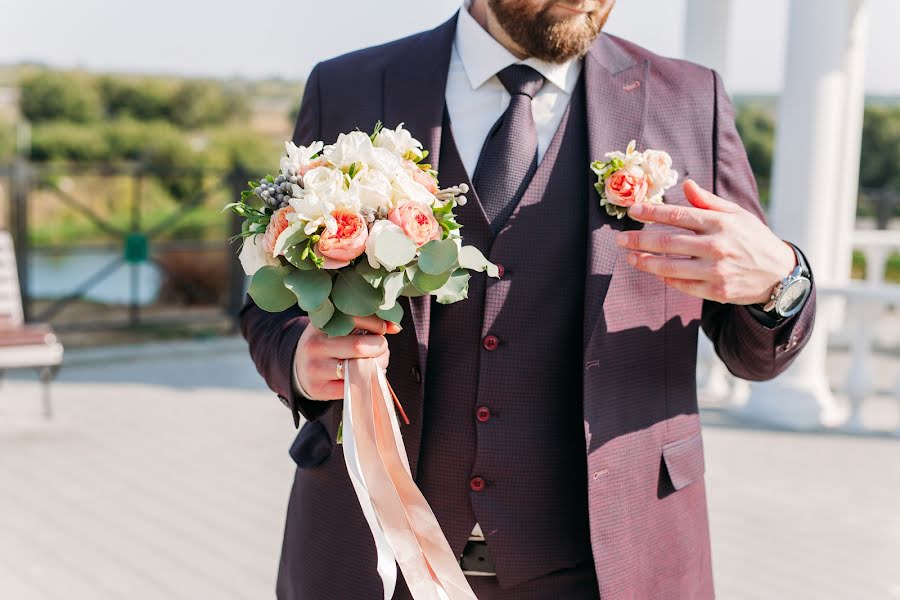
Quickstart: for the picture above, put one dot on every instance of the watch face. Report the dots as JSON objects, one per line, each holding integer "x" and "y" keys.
{"x": 792, "y": 297}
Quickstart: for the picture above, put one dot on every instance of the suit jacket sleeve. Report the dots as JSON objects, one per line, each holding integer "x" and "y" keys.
{"x": 273, "y": 337}
{"x": 750, "y": 349}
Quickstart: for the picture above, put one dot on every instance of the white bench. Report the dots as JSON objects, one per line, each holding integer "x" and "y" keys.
{"x": 24, "y": 346}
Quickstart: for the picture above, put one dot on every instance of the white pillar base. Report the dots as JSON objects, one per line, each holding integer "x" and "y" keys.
{"x": 797, "y": 404}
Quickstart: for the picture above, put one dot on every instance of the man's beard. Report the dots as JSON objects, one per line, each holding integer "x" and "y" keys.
{"x": 546, "y": 37}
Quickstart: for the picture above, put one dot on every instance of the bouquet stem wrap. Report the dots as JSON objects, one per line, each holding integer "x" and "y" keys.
{"x": 403, "y": 525}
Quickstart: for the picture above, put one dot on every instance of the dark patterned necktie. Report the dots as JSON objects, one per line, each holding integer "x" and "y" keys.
{"x": 508, "y": 157}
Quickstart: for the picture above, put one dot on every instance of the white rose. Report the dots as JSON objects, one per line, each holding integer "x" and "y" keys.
{"x": 298, "y": 156}
{"x": 388, "y": 246}
{"x": 314, "y": 210}
{"x": 325, "y": 182}
{"x": 406, "y": 188}
{"x": 348, "y": 149}
{"x": 400, "y": 141}
{"x": 661, "y": 176}
{"x": 382, "y": 159}
{"x": 253, "y": 256}
{"x": 373, "y": 190}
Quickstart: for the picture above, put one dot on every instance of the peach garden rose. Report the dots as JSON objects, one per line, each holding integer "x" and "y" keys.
{"x": 277, "y": 224}
{"x": 347, "y": 242}
{"x": 626, "y": 187}
{"x": 416, "y": 221}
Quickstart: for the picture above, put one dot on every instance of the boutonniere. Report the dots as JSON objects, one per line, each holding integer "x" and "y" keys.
{"x": 629, "y": 177}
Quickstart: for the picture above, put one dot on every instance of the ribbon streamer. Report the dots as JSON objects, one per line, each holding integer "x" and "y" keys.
{"x": 404, "y": 528}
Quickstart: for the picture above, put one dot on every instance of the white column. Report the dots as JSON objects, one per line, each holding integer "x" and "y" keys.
{"x": 809, "y": 180}
{"x": 706, "y": 33}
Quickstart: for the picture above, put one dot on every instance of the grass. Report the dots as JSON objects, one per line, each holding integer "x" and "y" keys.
{"x": 892, "y": 270}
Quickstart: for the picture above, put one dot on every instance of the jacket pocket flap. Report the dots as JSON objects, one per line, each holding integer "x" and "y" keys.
{"x": 312, "y": 445}
{"x": 684, "y": 460}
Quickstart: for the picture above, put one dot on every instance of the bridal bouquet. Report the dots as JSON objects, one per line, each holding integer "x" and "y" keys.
{"x": 344, "y": 231}
{"x": 630, "y": 177}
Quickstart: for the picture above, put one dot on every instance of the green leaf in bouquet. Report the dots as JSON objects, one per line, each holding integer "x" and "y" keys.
{"x": 339, "y": 324}
{"x": 394, "y": 250}
{"x": 456, "y": 288}
{"x": 353, "y": 295}
{"x": 392, "y": 286}
{"x": 292, "y": 235}
{"x": 437, "y": 256}
{"x": 393, "y": 314}
{"x": 268, "y": 291}
{"x": 411, "y": 291}
{"x": 471, "y": 258}
{"x": 294, "y": 255}
{"x": 312, "y": 287}
{"x": 321, "y": 315}
{"x": 428, "y": 282}
{"x": 371, "y": 274}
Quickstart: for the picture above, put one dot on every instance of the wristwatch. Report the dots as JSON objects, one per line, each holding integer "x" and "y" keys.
{"x": 790, "y": 294}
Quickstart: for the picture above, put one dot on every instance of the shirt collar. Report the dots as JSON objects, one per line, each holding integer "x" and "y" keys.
{"x": 483, "y": 57}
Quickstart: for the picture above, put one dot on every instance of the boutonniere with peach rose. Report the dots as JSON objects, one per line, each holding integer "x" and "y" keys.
{"x": 631, "y": 177}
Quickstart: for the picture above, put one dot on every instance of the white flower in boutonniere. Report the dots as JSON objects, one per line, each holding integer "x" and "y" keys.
{"x": 630, "y": 177}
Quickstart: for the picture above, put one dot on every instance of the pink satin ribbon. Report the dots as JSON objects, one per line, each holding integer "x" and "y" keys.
{"x": 403, "y": 526}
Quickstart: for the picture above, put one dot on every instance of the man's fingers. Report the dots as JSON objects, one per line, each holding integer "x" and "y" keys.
{"x": 706, "y": 200}
{"x": 670, "y": 268}
{"x": 693, "y": 287}
{"x": 686, "y": 217}
{"x": 356, "y": 346}
{"x": 663, "y": 242}
{"x": 373, "y": 324}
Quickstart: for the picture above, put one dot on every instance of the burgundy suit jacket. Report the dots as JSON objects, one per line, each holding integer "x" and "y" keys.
{"x": 642, "y": 435}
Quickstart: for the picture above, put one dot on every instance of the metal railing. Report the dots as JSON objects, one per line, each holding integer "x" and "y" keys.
{"x": 132, "y": 240}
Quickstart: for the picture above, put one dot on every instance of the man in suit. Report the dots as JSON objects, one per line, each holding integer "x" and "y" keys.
{"x": 554, "y": 423}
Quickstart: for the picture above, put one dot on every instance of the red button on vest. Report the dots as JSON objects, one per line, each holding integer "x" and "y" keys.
{"x": 477, "y": 484}
{"x": 500, "y": 270}
{"x": 491, "y": 342}
{"x": 483, "y": 414}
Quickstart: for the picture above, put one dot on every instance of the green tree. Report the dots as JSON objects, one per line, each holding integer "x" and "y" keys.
{"x": 58, "y": 96}
{"x": 756, "y": 127}
{"x": 61, "y": 140}
{"x": 202, "y": 103}
{"x": 145, "y": 100}
{"x": 881, "y": 148}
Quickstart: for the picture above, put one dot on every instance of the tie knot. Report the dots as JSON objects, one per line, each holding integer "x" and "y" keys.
{"x": 521, "y": 79}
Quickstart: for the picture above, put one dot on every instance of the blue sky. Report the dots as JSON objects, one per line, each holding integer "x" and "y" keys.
{"x": 282, "y": 37}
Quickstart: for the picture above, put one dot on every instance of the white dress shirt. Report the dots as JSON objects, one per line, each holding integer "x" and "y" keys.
{"x": 476, "y": 98}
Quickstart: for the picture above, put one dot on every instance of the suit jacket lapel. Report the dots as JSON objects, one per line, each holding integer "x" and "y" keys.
{"x": 616, "y": 89}
{"x": 414, "y": 91}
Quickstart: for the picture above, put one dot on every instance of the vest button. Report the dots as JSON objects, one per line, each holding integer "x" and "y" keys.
{"x": 483, "y": 414}
{"x": 491, "y": 342}
{"x": 500, "y": 270}
{"x": 477, "y": 484}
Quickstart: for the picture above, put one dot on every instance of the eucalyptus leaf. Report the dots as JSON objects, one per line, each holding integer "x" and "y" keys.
{"x": 371, "y": 274}
{"x": 311, "y": 287}
{"x": 394, "y": 249}
{"x": 320, "y": 316}
{"x": 428, "y": 282}
{"x": 353, "y": 295}
{"x": 456, "y": 288}
{"x": 411, "y": 291}
{"x": 471, "y": 258}
{"x": 393, "y": 314}
{"x": 268, "y": 291}
{"x": 437, "y": 256}
{"x": 339, "y": 325}
{"x": 392, "y": 285}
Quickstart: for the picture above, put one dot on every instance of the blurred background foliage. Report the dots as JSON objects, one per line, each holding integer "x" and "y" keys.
{"x": 169, "y": 126}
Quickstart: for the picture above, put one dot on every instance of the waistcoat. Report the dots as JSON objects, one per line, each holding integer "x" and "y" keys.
{"x": 503, "y": 433}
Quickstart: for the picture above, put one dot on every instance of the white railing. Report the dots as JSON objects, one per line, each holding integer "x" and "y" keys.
{"x": 866, "y": 307}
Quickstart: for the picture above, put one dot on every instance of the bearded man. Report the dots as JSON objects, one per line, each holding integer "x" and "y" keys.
{"x": 554, "y": 426}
